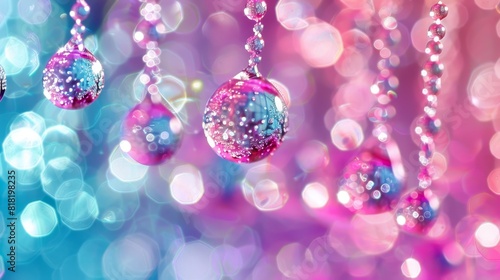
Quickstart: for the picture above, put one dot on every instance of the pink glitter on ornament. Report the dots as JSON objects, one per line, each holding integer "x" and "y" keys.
{"x": 150, "y": 133}
{"x": 245, "y": 120}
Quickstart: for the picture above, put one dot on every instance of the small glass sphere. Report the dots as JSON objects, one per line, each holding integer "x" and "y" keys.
{"x": 438, "y": 11}
{"x": 436, "y": 30}
{"x": 417, "y": 211}
{"x": 150, "y": 133}
{"x": 255, "y": 9}
{"x": 73, "y": 78}
{"x": 80, "y": 10}
{"x": 3, "y": 83}
{"x": 369, "y": 185}
{"x": 432, "y": 86}
{"x": 245, "y": 120}
{"x": 428, "y": 126}
{"x": 434, "y": 47}
{"x": 432, "y": 69}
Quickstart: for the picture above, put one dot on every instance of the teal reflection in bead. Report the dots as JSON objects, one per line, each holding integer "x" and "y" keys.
{"x": 62, "y": 178}
{"x": 38, "y": 219}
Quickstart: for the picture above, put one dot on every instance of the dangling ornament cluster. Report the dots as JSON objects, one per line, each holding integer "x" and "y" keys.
{"x": 372, "y": 181}
{"x": 246, "y": 118}
{"x": 3, "y": 83}
{"x": 417, "y": 210}
{"x": 73, "y": 77}
{"x": 150, "y": 132}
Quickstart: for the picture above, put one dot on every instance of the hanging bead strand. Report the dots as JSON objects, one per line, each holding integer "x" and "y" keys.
{"x": 246, "y": 118}
{"x": 151, "y": 133}
{"x": 418, "y": 210}
{"x": 255, "y": 10}
{"x": 372, "y": 181}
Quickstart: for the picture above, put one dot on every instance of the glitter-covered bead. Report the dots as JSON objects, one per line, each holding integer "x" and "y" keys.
{"x": 369, "y": 184}
{"x": 417, "y": 211}
{"x": 245, "y": 120}
{"x": 73, "y": 78}
{"x": 438, "y": 11}
{"x": 150, "y": 133}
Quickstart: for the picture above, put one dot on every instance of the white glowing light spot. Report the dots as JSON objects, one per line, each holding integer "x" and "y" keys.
{"x": 401, "y": 220}
{"x": 97, "y": 67}
{"x": 488, "y": 235}
{"x": 125, "y": 146}
{"x": 411, "y": 268}
{"x": 279, "y": 104}
{"x": 175, "y": 125}
{"x": 150, "y": 137}
{"x": 343, "y": 197}
{"x": 138, "y": 36}
{"x": 315, "y": 195}
{"x": 210, "y": 141}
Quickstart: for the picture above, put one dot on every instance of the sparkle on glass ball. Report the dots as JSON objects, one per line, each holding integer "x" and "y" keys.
{"x": 245, "y": 120}
{"x": 3, "y": 83}
{"x": 255, "y": 9}
{"x": 417, "y": 211}
{"x": 369, "y": 185}
{"x": 73, "y": 78}
{"x": 150, "y": 133}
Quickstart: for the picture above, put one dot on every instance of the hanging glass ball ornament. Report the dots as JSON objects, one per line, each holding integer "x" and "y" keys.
{"x": 151, "y": 133}
{"x": 246, "y": 119}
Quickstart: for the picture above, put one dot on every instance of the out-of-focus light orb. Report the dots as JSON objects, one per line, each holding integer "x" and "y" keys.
{"x": 411, "y": 268}
{"x": 293, "y": 14}
{"x": 231, "y": 259}
{"x": 289, "y": 258}
{"x": 315, "y": 195}
{"x": 453, "y": 253}
{"x": 31, "y": 120}
{"x": 123, "y": 167}
{"x": 172, "y": 15}
{"x": 487, "y": 235}
{"x": 14, "y": 55}
{"x": 60, "y": 141}
{"x": 264, "y": 187}
{"x": 347, "y": 134}
{"x": 197, "y": 86}
{"x": 486, "y": 4}
{"x": 196, "y": 260}
{"x": 38, "y": 219}
{"x": 174, "y": 91}
{"x": 494, "y": 181}
{"x": 34, "y": 11}
{"x": 89, "y": 256}
{"x": 495, "y": 145}
{"x": 5, "y": 15}
{"x": 186, "y": 184}
{"x": 23, "y": 148}
{"x": 312, "y": 156}
{"x": 484, "y": 87}
{"x": 62, "y": 178}
{"x": 374, "y": 234}
{"x": 321, "y": 44}
{"x": 78, "y": 212}
{"x": 133, "y": 257}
